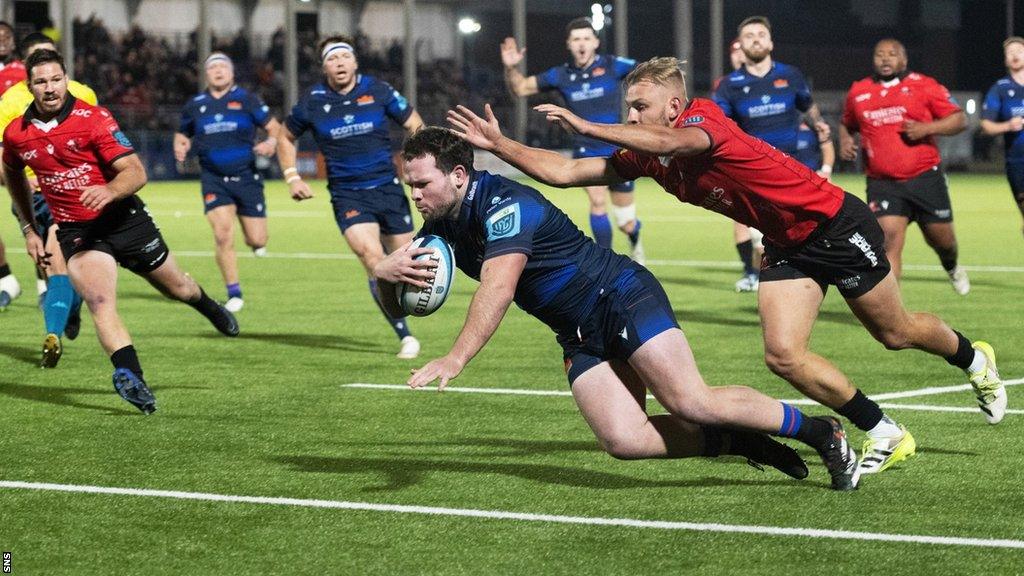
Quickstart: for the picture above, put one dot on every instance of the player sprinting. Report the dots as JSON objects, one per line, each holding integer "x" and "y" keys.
{"x": 61, "y": 303}
{"x": 816, "y": 235}
{"x": 221, "y": 125}
{"x": 589, "y": 84}
{"x": 12, "y": 71}
{"x": 611, "y": 317}
{"x": 348, "y": 116}
{"x": 1003, "y": 113}
{"x": 767, "y": 99}
{"x": 89, "y": 175}
{"x": 898, "y": 114}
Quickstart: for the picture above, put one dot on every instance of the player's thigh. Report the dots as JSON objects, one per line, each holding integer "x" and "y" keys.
{"x": 940, "y": 235}
{"x": 393, "y": 242}
{"x": 607, "y": 398}
{"x": 788, "y": 309}
{"x": 222, "y": 221}
{"x": 57, "y": 263}
{"x": 598, "y": 196}
{"x": 895, "y": 230}
{"x": 254, "y": 228}
{"x": 168, "y": 277}
{"x": 740, "y": 232}
{"x": 94, "y": 276}
{"x": 364, "y": 240}
{"x": 881, "y": 309}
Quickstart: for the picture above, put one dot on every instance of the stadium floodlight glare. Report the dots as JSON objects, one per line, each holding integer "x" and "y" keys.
{"x": 468, "y": 26}
{"x": 597, "y": 16}
{"x": 972, "y": 106}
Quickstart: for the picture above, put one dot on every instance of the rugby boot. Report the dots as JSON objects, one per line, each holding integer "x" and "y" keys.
{"x": 988, "y": 388}
{"x": 134, "y": 390}
{"x": 762, "y": 449}
{"x": 52, "y": 351}
{"x": 881, "y": 453}
{"x": 839, "y": 458}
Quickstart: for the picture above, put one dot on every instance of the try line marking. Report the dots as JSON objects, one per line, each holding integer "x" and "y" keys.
{"x": 715, "y": 264}
{"x": 796, "y": 401}
{"x": 525, "y": 517}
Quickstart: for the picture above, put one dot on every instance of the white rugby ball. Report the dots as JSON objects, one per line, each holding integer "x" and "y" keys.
{"x": 416, "y": 301}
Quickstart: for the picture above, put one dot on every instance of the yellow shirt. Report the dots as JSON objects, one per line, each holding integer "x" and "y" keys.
{"x": 18, "y": 98}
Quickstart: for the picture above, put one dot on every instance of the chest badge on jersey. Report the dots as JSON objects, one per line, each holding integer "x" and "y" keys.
{"x": 598, "y": 72}
{"x": 218, "y": 117}
{"x": 327, "y": 107}
{"x": 349, "y": 118}
{"x": 234, "y": 105}
{"x": 49, "y": 149}
{"x": 364, "y": 100}
{"x": 766, "y": 99}
{"x": 781, "y": 83}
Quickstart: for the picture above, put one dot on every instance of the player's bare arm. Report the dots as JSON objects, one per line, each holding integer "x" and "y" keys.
{"x": 397, "y": 267}
{"x": 182, "y": 144}
{"x": 21, "y": 194}
{"x": 413, "y": 123}
{"x": 993, "y": 128}
{"x": 828, "y": 158}
{"x": 955, "y": 123}
{"x": 818, "y": 123}
{"x": 640, "y": 138}
{"x": 286, "y": 160}
{"x": 130, "y": 177}
{"x": 545, "y": 166}
{"x": 499, "y": 277}
{"x": 517, "y": 83}
{"x": 847, "y": 144}
{"x": 268, "y": 146}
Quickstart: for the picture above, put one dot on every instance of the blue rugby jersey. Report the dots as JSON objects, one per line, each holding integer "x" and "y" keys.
{"x": 351, "y": 130}
{"x": 565, "y": 271}
{"x": 593, "y": 93}
{"x": 768, "y": 108}
{"x": 223, "y": 130}
{"x": 1004, "y": 100}
{"x": 808, "y": 150}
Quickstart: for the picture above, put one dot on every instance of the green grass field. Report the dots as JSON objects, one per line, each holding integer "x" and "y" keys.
{"x": 268, "y": 415}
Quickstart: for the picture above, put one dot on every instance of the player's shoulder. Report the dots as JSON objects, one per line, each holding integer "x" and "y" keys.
{"x": 921, "y": 79}
{"x": 491, "y": 193}
{"x": 865, "y": 84}
{"x": 316, "y": 92}
{"x": 1004, "y": 83}
{"x": 82, "y": 91}
{"x": 698, "y": 111}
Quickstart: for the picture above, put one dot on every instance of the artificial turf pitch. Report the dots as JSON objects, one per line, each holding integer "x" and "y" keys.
{"x": 268, "y": 415}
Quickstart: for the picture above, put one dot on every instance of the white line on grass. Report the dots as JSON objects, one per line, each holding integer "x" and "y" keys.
{"x": 526, "y": 517}
{"x": 713, "y": 264}
{"x": 794, "y": 401}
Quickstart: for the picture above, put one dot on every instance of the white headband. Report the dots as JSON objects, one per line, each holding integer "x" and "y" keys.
{"x": 335, "y": 46}
{"x": 217, "y": 57}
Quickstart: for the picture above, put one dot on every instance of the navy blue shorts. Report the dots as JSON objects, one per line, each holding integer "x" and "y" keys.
{"x": 245, "y": 191}
{"x": 1015, "y": 174}
{"x": 385, "y": 205}
{"x": 627, "y": 314}
{"x": 587, "y": 152}
{"x": 41, "y": 210}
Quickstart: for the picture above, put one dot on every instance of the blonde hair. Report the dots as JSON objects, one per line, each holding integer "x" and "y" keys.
{"x": 661, "y": 70}
{"x": 1012, "y": 40}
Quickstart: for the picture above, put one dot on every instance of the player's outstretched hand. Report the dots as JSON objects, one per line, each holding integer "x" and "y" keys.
{"x": 484, "y": 133}
{"x": 567, "y": 120}
{"x": 300, "y": 191}
{"x": 37, "y": 249}
{"x": 401, "y": 266}
{"x": 443, "y": 369}
{"x": 97, "y": 197}
{"x": 511, "y": 55}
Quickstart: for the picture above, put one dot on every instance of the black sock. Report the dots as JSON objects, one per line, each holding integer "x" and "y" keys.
{"x": 5, "y": 270}
{"x": 127, "y": 358}
{"x": 862, "y": 411}
{"x": 948, "y": 259}
{"x": 205, "y": 305}
{"x": 746, "y": 251}
{"x": 814, "y": 432}
{"x": 964, "y": 354}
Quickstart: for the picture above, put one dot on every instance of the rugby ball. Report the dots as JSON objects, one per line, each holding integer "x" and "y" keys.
{"x": 416, "y": 301}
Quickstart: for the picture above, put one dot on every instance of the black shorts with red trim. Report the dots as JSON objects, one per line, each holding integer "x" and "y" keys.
{"x": 847, "y": 251}
{"x": 124, "y": 230}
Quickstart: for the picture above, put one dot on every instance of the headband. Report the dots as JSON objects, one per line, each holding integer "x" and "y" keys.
{"x": 334, "y": 47}
{"x": 217, "y": 57}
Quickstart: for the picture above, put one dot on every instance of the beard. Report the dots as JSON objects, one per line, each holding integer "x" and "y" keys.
{"x": 756, "y": 55}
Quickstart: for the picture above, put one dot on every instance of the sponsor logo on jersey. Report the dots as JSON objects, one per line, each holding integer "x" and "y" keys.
{"x": 781, "y": 83}
{"x": 364, "y": 100}
{"x": 504, "y": 223}
{"x": 29, "y": 154}
{"x": 586, "y": 93}
{"x": 84, "y": 113}
{"x": 862, "y": 97}
{"x": 766, "y": 109}
{"x": 887, "y": 115}
{"x": 351, "y": 130}
{"x": 472, "y": 191}
{"x": 234, "y": 105}
{"x": 73, "y": 179}
{"x": 599, "y": 71}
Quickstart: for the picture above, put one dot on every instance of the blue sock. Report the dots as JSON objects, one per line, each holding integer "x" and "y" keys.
{"x": 57, "y": 304}
{"x": 601, "y": 227}
{"x": 234, "y": 290}
{"x": 634, "y": 236}
{"x": 399, "y": 325}
{"x": 811, "y": 431}
{"x": 791, "y": 421}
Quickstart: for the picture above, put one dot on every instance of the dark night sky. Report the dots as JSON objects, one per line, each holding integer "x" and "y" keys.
{"x": 956, "y": 41}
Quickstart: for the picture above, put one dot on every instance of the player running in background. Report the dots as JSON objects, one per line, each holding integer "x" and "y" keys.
{"x": 348, "y": 115}
{"x": 221, "y": 123}
{"x": 768, "y": 100}
{"x": 898, "y": 114}
{"x": 61, "y": 304}
{"x": 1003, "y": 113}
{"x": 12, "y": 71}
{"x": 816, "y": 235}
{"x": 89, "y": 175}
{"x": 615, "y": 325}
{"x": 590, "y": 87}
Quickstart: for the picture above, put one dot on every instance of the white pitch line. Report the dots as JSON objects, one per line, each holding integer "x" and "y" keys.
{"x": 710, "y": 264}
{"x": 793, "y": 401}
{"x": 527, "y": 517}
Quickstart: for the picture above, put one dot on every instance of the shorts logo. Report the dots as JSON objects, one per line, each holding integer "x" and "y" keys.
{"x": 504, "y": 223}
{"x": 865, "y": 247}
{"x": 122, "y": 139}
{"x": 151, "y": 245}
{"x": 851, "y": 282}
{"x": 408, "y": 220}
{"x": 210, "y": 198}
{"x": 878, "y": 206}
{"x": 351, "y": 214}
{"x": 943, "y": 213}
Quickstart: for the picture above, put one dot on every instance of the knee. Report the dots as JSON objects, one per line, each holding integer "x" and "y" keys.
{"x": 598, "y": 205}
{"x": 256, "y": 241}
{"x": 622, "y": 446}
{"x": 894, "y": 338}
{"x": 783, "y": 362}
{"x": 223, "y": 237}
